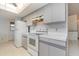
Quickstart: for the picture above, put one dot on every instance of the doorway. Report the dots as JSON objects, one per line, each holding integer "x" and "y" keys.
{"x": 73, "y": 29}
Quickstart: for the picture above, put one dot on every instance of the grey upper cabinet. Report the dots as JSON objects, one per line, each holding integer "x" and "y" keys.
{"x": 54, "y": 12}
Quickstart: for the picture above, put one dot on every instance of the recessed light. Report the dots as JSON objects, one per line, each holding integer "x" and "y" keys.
{"x": 13, "y": 7}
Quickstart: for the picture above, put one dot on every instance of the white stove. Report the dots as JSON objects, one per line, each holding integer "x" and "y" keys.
{"x": 33, "y": 44}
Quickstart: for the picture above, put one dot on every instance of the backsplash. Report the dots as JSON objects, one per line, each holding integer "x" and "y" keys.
{"x": 37, "y": 28}
{"x": 53, "y": 27}
{"x": 57, "y": 27}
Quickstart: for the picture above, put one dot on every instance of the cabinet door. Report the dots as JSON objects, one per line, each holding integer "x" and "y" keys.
{"x": 47, "y": 13}
{"x": 54, "y": 13}
{"x": 53, "y": 51}
{"x": 58, "y": 12}
{"x": 43, "y": 49}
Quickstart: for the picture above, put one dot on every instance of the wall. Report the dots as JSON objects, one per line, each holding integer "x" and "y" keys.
{"x": 72, "y": 27}
{"x": 4, "y": 29}
{"x": 78, "y": 25}
{"x": 72, "y": 23}
{"x": 60, "y": 26}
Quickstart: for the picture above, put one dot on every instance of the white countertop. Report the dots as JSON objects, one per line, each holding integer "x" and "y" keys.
{"x": 55, "y": 35}
{"x": 52, "y": 35}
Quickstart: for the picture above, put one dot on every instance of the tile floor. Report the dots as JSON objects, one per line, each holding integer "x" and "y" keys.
{"x": 8, "y": 49}
{"x": 74, "y": 48}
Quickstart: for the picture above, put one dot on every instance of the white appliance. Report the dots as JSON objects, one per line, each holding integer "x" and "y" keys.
{"x": 33, "y": 38}
{"x": 20, "y": 29}
{"x": 33, "y": 44}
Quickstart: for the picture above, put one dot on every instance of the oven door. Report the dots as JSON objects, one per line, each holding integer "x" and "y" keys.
{"x": 33, "y": 42}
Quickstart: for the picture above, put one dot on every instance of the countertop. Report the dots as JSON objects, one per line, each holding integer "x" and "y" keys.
{"x": 55, "y": 35}
{"x": 52, "y": 35}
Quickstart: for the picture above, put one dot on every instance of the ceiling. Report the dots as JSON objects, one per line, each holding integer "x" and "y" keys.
{"x": 11, "y": 10}
{"x": 25, "y": 11}
{"x": 31, "y": 8}
{"x": 7, "y": 14}
{"x": 73, "y": 8}
{"x": 13, "y": 7}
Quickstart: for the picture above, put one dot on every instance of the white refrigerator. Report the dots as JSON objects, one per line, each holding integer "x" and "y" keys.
{"x": 20, "y": 29}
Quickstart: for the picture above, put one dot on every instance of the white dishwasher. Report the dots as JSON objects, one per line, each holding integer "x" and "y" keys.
{"x": 33, "y": 44}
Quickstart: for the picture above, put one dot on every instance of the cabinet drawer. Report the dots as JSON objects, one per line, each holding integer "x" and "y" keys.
{"x": 55, "y": 41}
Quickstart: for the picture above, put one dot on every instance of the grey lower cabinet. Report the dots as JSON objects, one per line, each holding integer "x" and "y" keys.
{"x": 53, "y": 51}
{"x": 48, "y": 49}
{"x": 43, "y": 49}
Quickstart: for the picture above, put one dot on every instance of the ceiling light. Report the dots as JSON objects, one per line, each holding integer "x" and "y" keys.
{"x": 13, "y": 7}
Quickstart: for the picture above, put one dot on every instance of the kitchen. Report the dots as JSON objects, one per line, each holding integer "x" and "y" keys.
{"x": 41, "y": 29}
